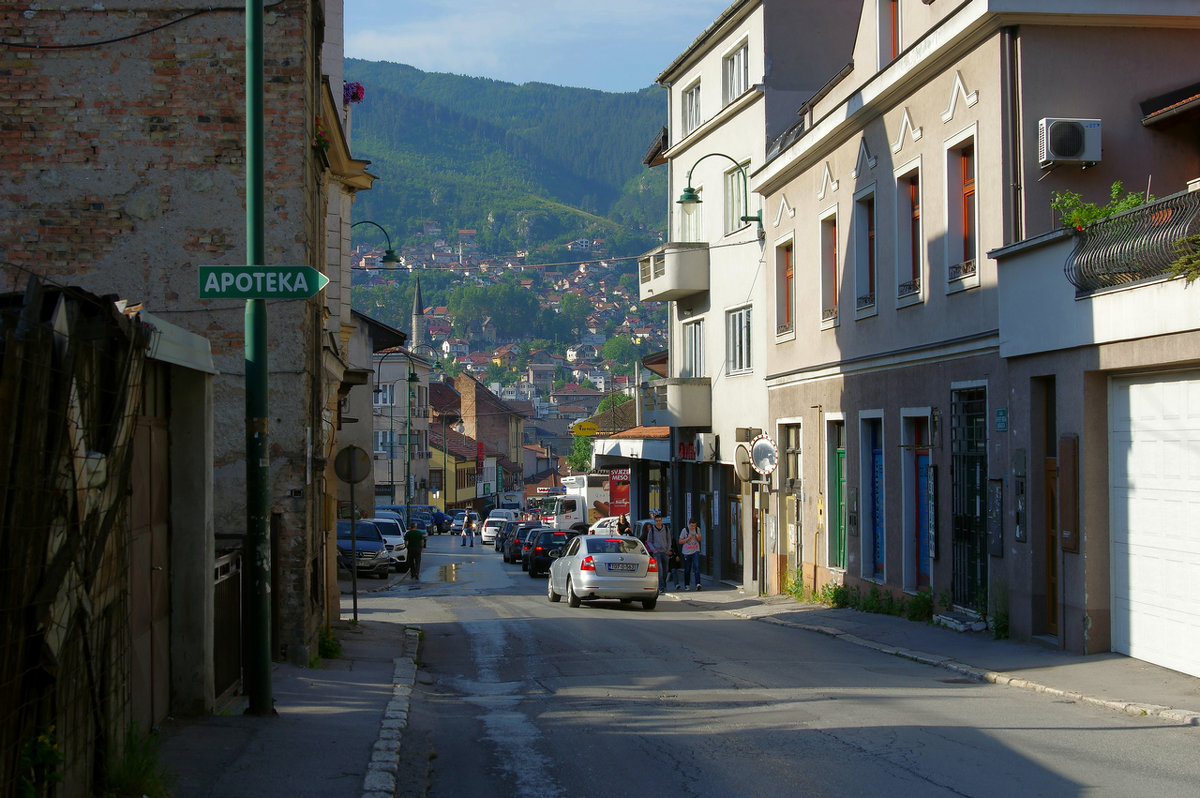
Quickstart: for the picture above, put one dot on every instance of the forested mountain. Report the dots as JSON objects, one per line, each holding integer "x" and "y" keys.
{"x": 529, "y": 167}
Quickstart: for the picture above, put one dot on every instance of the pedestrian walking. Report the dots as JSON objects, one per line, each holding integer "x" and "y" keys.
{"x": 689, "y": 542}
{"x": 623, "y": 527}
{"x": 658, "y": 543}
{"x": 468, "y": 533}
{"x": 415, "y": 541}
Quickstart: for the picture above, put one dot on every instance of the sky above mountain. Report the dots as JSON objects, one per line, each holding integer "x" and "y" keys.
{"x": 611, "y": 45}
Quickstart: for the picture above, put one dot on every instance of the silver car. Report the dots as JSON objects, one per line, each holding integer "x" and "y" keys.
{"x": 604, "y": 567}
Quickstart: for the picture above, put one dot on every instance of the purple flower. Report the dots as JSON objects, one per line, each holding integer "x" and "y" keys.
{"x": 352, "y": 93}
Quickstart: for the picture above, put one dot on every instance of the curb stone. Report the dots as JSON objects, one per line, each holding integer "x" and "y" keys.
{"x": 1186, "y": 717}
{"x": 382, "y": 770}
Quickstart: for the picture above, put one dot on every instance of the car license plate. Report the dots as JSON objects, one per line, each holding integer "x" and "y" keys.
{"x": 622, "y": 566}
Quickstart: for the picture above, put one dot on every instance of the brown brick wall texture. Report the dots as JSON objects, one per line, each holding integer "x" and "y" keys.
{"x": 124, "y": 170}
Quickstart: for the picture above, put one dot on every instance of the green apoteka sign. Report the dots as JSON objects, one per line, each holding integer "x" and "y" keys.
{"x": 260, "y": 282}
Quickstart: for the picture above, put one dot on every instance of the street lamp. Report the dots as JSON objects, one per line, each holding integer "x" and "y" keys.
{"x": 690, "y": 198}
{"x": 389, "y": 254}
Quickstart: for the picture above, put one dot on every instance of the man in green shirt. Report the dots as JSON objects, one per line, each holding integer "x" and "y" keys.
{"x": 414, "y": 540}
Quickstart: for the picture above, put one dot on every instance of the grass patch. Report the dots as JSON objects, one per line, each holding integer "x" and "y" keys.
{"x": 136, "y": 772}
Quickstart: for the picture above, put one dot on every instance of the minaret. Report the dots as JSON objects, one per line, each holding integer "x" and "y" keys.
{"x": 418, "y": 318}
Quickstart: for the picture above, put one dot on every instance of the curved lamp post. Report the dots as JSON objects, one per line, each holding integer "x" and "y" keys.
{"x": 389, "y": 254}
{"x": 690, "y": 198}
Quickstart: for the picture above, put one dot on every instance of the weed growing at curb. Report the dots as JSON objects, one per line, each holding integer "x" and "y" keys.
{"x": 918, "y": 607}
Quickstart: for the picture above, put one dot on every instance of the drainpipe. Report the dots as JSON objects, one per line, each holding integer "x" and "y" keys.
{"x": 1010, "y": 78}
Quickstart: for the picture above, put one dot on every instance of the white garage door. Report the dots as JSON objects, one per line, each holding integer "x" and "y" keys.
{"x": 1154, "y": 471}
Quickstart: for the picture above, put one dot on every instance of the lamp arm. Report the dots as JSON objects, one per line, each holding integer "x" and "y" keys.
{"x": 368, "y": 221}
{"x": 745, "y": 184}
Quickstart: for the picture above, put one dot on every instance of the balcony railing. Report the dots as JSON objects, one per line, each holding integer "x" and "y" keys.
{"x": 678, "y": 402}
{"x": 673, "y": 271}
{"x": 1136, "y": 245}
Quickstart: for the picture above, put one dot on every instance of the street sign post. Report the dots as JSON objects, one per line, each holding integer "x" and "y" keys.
{"x": 260, "y": 282}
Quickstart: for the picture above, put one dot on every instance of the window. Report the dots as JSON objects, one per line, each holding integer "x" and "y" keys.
{"x": 385, "y": 394}
{"x": 693, "y": 349}
{"x": 962, "y": 213}
{"x": 737, "y": 75}
{"x": 691, "y": 109}
{"x": 735, "y": 198}
{"x": 829, "y": 270}
{"x": 888, "y": 14}
{"x": 864, "y": 251}
{"x": 737, "y": 341}
{"x": 385, "y": 443}
{"x": 791, "y": 452}
{"x": 691, "y": 227}
{"x": 785, "y": 288}
{"x": 908, "y": 227}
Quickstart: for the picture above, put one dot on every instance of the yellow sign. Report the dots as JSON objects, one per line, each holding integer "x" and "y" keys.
{"x": 585, "y": 428}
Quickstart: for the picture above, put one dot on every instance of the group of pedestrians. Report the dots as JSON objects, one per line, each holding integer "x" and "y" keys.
{"x": 662, "y": 548}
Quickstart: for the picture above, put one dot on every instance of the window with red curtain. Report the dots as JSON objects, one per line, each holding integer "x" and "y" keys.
{"x": 967, "y": 166}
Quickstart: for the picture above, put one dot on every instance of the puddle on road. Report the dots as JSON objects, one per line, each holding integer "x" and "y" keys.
{"x": 447, "y": 573}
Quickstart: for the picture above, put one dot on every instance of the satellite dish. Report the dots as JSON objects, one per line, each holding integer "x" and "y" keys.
{"x": 764, "y": 455}
{"x": 741, "y": 462}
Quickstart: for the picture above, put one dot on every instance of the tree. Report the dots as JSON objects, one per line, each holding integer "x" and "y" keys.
{"x": 611, "y": 401}
{"x": 620, "y": 349}
{"x": 580, "y": 458}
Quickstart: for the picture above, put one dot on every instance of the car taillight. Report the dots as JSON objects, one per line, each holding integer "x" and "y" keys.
{"x": 538, "y": 548}
{"x": 653, "y": 567}
{"x": 588, "y": 564}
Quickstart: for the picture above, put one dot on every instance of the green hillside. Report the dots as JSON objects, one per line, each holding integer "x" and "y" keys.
{"x": 528, "y": 167}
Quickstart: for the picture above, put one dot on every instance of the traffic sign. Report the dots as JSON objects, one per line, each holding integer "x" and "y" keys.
{"x": 260, "y": 282}
{"x": 586, "y": 429}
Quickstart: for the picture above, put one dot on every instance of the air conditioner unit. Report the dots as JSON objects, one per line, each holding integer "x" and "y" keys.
{"x": 1068, "y": 141}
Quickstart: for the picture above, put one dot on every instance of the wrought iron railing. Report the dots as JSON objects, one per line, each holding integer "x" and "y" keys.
{"x": 960, "y": 271}
{"x": 1136, "y": 245}
{"x": 911, "y": 287}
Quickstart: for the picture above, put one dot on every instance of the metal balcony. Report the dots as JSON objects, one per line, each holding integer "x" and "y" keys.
{"x": 677, "y": 402}
{"x": 1135, "y": 245}
{"x": 673, "y": 271}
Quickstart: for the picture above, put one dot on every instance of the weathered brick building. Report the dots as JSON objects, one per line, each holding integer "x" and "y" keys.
{"x": 123, "y": 153}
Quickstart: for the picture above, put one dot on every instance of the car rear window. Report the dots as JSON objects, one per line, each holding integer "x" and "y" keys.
{"x": 613, "y": 546}
{"x": 553, "y": 537}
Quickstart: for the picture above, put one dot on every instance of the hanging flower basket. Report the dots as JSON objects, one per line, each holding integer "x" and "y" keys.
{"x": 321, "y": 139}
{"x": 352, "y": 93}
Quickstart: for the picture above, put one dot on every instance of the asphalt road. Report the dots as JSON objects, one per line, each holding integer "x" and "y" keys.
{"x": 516, "y": 696}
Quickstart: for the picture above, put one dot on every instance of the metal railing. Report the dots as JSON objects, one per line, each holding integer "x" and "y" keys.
{"x": 1136, "y": 245}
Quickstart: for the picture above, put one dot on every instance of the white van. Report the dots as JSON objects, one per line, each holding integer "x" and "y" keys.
{"x": 507, "y": 515}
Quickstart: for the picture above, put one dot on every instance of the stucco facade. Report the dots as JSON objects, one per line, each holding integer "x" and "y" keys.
{"x": 905, "y": 402}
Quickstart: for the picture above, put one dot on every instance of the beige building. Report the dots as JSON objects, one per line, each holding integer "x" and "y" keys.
{"x": 910, "y": 444}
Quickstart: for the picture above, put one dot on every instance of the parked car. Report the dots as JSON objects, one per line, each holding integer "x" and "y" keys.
{"x": 548, "y": 544}
{"x": 441, "y": 523}
{"x": 487, "y": 532}
{"x": 513, "y": 537}
{"x": 373, "y": 557}
{"x": 424, "y": 522}
{"x": 523, "y": 542}
{"x": 507, "y": 515}
{"x": 392, "y": 530}
{"x": 604, "y": 567}
{"x": 604, "y": 526}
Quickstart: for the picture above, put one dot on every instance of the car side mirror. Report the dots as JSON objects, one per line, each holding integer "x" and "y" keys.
{"x": 555, "y": 552}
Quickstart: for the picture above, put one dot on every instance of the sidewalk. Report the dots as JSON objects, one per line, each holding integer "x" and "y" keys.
{"x": 339, "y": 726}
{"x": 1111, "y": 681}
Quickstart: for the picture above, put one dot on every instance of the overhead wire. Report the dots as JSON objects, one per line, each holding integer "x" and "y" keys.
{"x": 137, "y": 34}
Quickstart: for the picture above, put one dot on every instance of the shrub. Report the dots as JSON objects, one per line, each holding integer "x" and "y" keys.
{"x": 1076, "y": 213}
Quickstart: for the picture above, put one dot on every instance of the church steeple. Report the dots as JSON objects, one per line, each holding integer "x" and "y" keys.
{"x": 418, "y": 317}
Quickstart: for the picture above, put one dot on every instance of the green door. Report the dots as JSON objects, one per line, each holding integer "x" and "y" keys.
{"x": 838, "y": 472}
